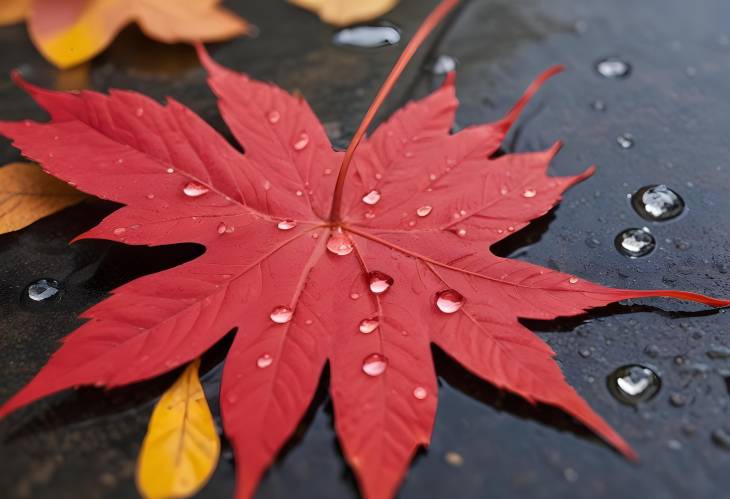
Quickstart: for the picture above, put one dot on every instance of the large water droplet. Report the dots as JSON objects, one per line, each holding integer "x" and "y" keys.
{"x": 625, "y": 141}
{"x": 633, "y": 383}
{"x": 194, "y": 189}
{"x": 367, "y": 36}
{"x": 613, "y": 67}
{"x": 339, "y": 243}
{"x": 379, "y": 282}
{"x": 281, "y": 314}
{"x": 657, "y": 203}
{"x": 635, "y": 242}
{"x": 449, "y": 301}
{"x": 371, "y": 197}
{"x": 264, "y": 361}
{"x": 43, "y": 290}
{"x": 286, "y": 224}
{"x": 424, "y": 211}
{"x": 374, "y": 364}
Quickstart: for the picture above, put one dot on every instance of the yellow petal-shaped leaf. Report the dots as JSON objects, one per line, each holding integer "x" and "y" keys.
{"x": 70, "y": 32}
{"x": 181, "y": 448}
{"x": 28, "y": 194}
{"x": 13, "y": 11}
{"x": 344, "y": 12}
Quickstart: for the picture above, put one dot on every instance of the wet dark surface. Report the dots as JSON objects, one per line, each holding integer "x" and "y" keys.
{"x": 676, "y": 106}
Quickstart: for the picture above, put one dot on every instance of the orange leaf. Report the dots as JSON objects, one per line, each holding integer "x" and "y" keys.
{"x": 13, "y": 11}
{"x": 27, "y": 194}
{"x": 344, "y": 12}
{"x": 73, "y": 31}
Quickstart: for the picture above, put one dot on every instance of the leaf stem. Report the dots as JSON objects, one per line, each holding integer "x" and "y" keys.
{"x": 424, "y": 30}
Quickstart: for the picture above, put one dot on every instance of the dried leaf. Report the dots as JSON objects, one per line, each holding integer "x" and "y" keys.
{"x": 364, "y": 270}
{"x": 181, "y": 448}
{"x": 344, "y": 12}
{"x": 70, "y": 32}
{"x": 27, "y": 194}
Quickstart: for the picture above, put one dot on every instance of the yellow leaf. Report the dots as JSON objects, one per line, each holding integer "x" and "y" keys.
{"x": 13, "y": 11}
{"x": 28, "y": 194}
{"x": 69, "y": 33}
{"x": 181, "y": 448}
{"x": 344, "y": 12}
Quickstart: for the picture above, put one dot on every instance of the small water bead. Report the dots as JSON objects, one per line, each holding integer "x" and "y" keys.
{"x": 286, "y": 225}
{"x": 354, "y": 296}
{"x": 274, "y": 116}
{"x": 139, "y": 112}
{"x": 657, "y": 203}
{"x": 573, "y": 280}
{"x": 299, "y": 194}
{"x": 170, "y": 170}
{"x": 449, "y": 301}
{"x": 302, "y": 142}
{"x": 370, "y": 215}
{"x": 613, "y": 67}
{"x": 424, "y": 211}
{"x": 529, "y": 193}
{"x": 43, "y": 290}
{"x": 371, "y": 197}
{"x": 378, "y": 35}
{"x": 635, "y": 243}
{"x": 379, "y": 282}
{"x": 598, "y": 105}
{"x": 374, "y": 364}
{"x": 420, "y": 393}
{"x": 633, "y": 383}
{"x": 625, "y": 141}
{"x": 339, "y": 244}
{"x": 444, "y": 64}
{"x": 281, "y": 314}
{"x": 461, "y": 232}
{"x": 194, "y": 189}
{"x": 119, "y": 231}
{"x": 264, "y": 361}
{"x": 367, "y": 326}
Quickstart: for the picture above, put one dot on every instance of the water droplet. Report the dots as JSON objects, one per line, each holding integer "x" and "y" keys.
{"x": 281, "y": 314}
{"x": 354, "y": 296}
{"x": 377, "y": 35}
{"x": 454, "y": 459}
{"x": 286, "y": 224}
{"x": 170, "y": 170}
{"x": 657, "y": 203}
{"x": 150, "y": 196}
{"x": 443, "y": 64}
{"x": 221, "y": 228}
{"x": 613, "y": 67}
{"x": 633, "y": 383}
{"x": 302, "y": 142}
{"x": 194, "y": 189}
{"x": 449, "y": 301}
{"x": 299, "y": 194}
{"x": 573, "y": 280}
{"x": 139, "y": 112}
{"x": 119, "y": 231}
{"x": 371, "y": 197}
{"x": 339, "y": 243}
{"x": 274, "y": 116}
{"x": 379, "y": 282}
{"x": 424, "y": 211}
{"x": 374, "y": 364}
{"x": 461, "y": 232}
{"x": 43, "y": 290}
{"x": 264, "y": 361}
{"x": 420, "y": 393}
{"x": 635, "y": 242}
{"x": 625, "y": 140}
{"x": 529, "y": 193}
{"x": 370, "y": 215}
{"x": 598, "y": 105}
{"x": 367, "y": 326}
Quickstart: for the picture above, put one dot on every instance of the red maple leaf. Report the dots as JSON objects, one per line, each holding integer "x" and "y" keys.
{"x": 363, "y": 274}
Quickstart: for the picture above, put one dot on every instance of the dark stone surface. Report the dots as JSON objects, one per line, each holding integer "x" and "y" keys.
{"x": 675, "y": 104}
